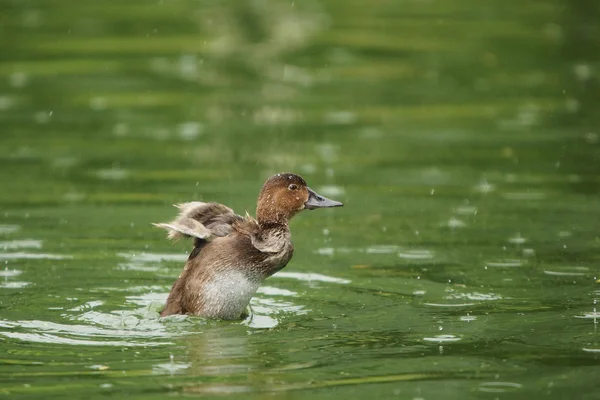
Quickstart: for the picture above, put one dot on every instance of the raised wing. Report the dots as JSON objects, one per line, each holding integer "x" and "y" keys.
{"x": 201, "y": 220}
{"x": 206, "y": 221}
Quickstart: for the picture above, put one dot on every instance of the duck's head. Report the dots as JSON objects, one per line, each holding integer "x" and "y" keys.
{"x": 286, "y": 194}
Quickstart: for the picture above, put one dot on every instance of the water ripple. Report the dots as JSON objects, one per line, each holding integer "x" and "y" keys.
{"x": 51, "y": 332}
{"x": 264, "y": 311}
{"x": 567, "y": 271}
{"x": 5, "y": 229}
{"x": 112, "y": 174}
{"x": 170, "y": 368}
{"x": 153, "y": 257}
{"x": 499, "y": 387}
{"x": 421, "y": 254}
{"x": 9, "y": 273}
{"x": 310, "y": 277}
{"x": 588, "y": 350}
{"x": 442, "y": 338}
{"x": 33, "y": 256}
{"x": 53, "y": 339}
{"x": 505, "y": 263}
{"x": 591, "y": 315}
{"x": 273, "y": 291}
{"x": 475, "y": 296}
{"x": 14, "y": 285}
{"x": 21, "y": 244}
{"x": 524, "y": 195}
{"x": 449, "y": 304}
{"x": 382, "y": 249}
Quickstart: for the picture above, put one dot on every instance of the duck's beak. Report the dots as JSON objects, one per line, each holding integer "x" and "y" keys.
{"x": 317, "y": 201}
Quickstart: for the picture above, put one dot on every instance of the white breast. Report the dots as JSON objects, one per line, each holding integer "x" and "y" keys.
{"x": 227, "y": 295}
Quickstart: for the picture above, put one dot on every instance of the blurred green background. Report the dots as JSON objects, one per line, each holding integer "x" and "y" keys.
{"x": 462, "y": 136}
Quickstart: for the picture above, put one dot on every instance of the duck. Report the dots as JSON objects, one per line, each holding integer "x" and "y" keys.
{"x": 232, "y": 255}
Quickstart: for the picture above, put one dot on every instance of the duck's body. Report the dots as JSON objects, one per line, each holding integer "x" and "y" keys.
{"x": 232, "y": 255}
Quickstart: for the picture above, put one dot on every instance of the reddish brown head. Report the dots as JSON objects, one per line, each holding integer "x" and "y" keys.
{"x": 284, "y": 195}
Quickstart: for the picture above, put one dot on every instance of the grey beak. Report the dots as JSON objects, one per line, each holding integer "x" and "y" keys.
{"x": 317, "y": 201}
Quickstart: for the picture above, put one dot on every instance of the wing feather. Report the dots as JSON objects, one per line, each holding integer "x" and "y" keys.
{"x": 201, "y": 220}
{"x": 207, "y": 221}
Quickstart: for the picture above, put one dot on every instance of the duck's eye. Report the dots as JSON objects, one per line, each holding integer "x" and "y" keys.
{"x": 293, "y": 186}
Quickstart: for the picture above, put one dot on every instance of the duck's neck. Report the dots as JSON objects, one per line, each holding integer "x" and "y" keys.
{"x": 273, "y": 225}
{"x": 271, "y": 218}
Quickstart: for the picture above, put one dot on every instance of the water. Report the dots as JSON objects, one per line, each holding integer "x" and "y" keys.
{"x": 462, "y": 137}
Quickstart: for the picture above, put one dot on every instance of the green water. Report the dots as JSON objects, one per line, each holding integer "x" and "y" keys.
{"x": 461, "y": 135}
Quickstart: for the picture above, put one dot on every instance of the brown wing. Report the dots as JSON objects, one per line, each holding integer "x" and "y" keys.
{"x": 203, "y": 221}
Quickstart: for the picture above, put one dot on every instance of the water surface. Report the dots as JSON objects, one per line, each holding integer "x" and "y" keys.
{"x": 462, "y": 137}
